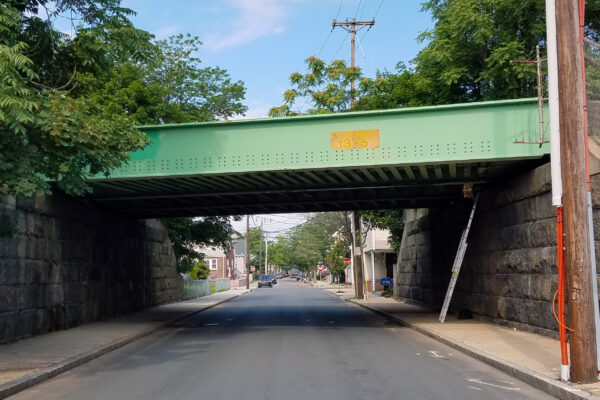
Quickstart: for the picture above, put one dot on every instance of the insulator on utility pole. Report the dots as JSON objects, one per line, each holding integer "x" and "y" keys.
{"x": 351, "y": 26}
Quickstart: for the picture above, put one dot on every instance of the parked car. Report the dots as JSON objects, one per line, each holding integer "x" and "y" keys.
{"x": 273, "y": 278}
{"x": 265, "y": 280}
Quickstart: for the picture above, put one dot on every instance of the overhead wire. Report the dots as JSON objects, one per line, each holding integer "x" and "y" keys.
{"x": 331, "y": 31}
{"x": 358, "y": 8}
{"x": 306, "y": 100}
{"x": 375, "y": 15}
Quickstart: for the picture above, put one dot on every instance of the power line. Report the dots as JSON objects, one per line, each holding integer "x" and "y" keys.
{"x": 339, "y": 48}
{"x": 358, "y": 8}
{"x": 376, "y": 12}
{"x": 363, "y": 9}
{"x": 339, "y": 8}
{"x": 331, "y": 31}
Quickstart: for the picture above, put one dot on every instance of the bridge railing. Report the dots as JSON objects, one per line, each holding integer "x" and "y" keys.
{"x": 203, "y": 287}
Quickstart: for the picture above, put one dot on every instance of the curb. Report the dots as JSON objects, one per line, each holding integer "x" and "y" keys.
{"x": 25, "y": 382}
{"x": 548, "y": 385}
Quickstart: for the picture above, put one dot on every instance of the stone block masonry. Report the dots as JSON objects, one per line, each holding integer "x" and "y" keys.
{"x": 509, "y": 271}
{"x": 64, "y": 263}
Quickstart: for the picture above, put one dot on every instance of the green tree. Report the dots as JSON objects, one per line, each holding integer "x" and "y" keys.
{"x": 200, "y": 271}
{"x": 257, "y": 250}
{"x": 47, "y": 131}
{"x": 279, "y": 253}
{"x": 188, "y": 234}
{"x": 390, "y": 220}
{"x": 335, "y": 259}
{"x": 170, "y": 87}
{"x": 325, "y": 86}
{"x": 404, "y": 88}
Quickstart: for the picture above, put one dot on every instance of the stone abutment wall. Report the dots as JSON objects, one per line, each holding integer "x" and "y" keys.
{"x": 63, "y": 263}
{"x": 509, "y": 272}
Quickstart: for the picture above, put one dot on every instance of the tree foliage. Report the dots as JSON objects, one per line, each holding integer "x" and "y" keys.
{"x": 69, "y": 103}
{"x": 390, "y": 220}
{"x": 325, "y": 87}
{"x": 188, "y": 234}
{"x": 200, "y": 271}
{"x": 335, "y": 258}
{"x": 48, "y": 130}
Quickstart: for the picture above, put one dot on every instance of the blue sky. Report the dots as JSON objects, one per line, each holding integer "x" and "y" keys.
{"x": 261, "y": 42}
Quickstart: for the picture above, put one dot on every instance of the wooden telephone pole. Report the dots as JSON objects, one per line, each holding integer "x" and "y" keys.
{"x": 577, "y": 241}
{"x": 358, "y": 268}
{"x": 350, "y": 26}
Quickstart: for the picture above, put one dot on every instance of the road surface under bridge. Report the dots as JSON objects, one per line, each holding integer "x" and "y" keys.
{"x": 401, "y": 158}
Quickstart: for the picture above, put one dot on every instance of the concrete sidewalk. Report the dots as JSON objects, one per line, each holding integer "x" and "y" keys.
{"x": 531, "y": 358}
{"x": 31, "y": 361}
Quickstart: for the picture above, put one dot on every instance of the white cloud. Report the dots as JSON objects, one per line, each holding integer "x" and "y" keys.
{"x": 255, "y": 19}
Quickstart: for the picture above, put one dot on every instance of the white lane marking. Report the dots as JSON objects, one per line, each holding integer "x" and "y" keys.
{"x": 435, "y": 354}
{"x": 331, "y": 322}
{"x": 418, "y": 354}
{"x": 229, "y": 319}
{"x": 510, "y": 383}
{"x": 491, "y": 384}
{"x": 308, "y": 320}
{"x": 212, "y": 324}
{"x": 473, "y": 387}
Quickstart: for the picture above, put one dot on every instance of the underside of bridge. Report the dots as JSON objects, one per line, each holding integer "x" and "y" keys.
{"x": 405, "y": 158}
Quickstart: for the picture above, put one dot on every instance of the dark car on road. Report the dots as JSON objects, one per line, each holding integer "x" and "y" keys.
{"x": 265, "y": 280}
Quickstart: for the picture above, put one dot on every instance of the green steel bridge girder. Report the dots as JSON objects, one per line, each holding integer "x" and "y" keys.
{"x": 288, "y": 165}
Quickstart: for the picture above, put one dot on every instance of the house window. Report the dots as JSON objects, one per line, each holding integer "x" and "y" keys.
{"x": 212, "y": 263}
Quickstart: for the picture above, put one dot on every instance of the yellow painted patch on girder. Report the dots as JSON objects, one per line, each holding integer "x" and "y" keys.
{"x": 358, "y": 139}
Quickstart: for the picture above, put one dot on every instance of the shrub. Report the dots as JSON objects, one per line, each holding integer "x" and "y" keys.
{"x": 200, "y": 271}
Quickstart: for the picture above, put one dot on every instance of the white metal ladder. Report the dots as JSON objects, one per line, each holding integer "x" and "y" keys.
{"x": 460, "y": 254}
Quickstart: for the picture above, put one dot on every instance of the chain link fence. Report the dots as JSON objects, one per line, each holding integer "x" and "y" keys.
{"x": 204, "y": 287}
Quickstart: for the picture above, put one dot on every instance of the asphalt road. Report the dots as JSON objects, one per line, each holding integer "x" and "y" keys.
{"x": 287, "y": 342}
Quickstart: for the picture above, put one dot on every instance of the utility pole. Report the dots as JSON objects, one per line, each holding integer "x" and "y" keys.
{"x": 576, "y": 225}
{"x": 358, "y": 268}
{"x": 266, "y": 256}
{"x": 247, "y": 251}
{"x": 260, "y": 251}
{"x": 350, "y": 26}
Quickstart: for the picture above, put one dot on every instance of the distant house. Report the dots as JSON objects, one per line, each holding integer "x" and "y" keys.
{"x": 379, "y": 257}
{"x": 217, "y": 261}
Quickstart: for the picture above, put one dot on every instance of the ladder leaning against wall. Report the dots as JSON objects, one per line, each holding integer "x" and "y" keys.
{"x": 460, "y": 254}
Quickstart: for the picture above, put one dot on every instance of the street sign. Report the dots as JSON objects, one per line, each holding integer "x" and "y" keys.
{"x": 321, "y": 267}
{"x": 387, "y": 281}
{"x": 346, "y": 261}
{"x": 252, "y": 269}
{"x": 320, "y": 262}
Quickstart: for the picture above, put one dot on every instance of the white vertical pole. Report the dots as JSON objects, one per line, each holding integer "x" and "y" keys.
{"x": 373, "y": 261}
{"x": 553, "y": 103}
{"x": 266, "y": 256}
